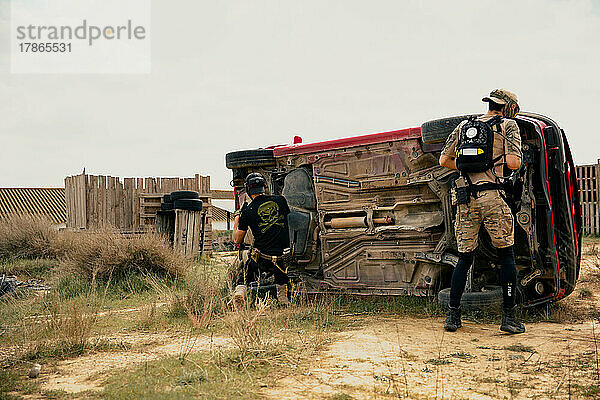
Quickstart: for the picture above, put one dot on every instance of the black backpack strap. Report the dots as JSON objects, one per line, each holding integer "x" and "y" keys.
{"x": 470, "y": 185}
{"x": 499, "y": 125}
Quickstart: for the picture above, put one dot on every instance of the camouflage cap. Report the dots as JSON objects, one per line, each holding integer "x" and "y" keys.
{"x": 503, "y": 96}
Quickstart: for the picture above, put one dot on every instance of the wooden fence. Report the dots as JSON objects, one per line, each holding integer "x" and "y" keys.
{"x": 95, "y": 201}
{"x": 588, "y": 177}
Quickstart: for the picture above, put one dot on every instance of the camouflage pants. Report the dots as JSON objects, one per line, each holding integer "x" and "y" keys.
{"x": 491, "y": 210}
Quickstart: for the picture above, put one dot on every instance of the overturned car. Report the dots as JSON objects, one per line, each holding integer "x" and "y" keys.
{"x": 372, "y": 214}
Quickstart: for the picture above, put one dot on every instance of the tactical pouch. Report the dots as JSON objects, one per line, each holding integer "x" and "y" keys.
{"x": 462, "y": 190}
{"x": 462, "y": 195}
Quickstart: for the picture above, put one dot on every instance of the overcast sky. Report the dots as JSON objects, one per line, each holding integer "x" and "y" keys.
{"x": 230, "y": 75}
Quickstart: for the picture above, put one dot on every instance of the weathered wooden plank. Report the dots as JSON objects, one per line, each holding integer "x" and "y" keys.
{"x": 588, "y": 216}
{"x": 76, "y": 204}
{"x": 597, "y": 198}
{"x": 139, "y": 189}
{"x": 149, "y": 186}
{"x": 81, "y": 193}
{"x": 68, "y": 201}
{"x": 101, "y": 201}
{"x": 188, "y": 232}
{"x": 93, "y": 218}
{"x": 174, "y": 182}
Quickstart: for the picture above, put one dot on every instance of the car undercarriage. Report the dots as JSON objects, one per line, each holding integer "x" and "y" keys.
{"x": 372, "y": 215}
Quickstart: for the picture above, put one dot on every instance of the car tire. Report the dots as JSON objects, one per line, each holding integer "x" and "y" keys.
{"x": 166, "y": 206}
{"x": 188, "y": 204}
{"x": 438, "y": 130}
{"x": 166, "y": 212}
{"x": 183, "y": 194}
{"x": 488, "y": 297}
{"x": 250, "y": 158}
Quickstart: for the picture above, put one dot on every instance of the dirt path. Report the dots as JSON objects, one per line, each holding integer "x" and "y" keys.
{"x": 415, "y": 358}
{"x": 85, "y": 373}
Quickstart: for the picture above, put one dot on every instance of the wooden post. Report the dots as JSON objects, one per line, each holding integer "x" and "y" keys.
{"x": 188, "y": 232}
{"x": 165, "y": 224}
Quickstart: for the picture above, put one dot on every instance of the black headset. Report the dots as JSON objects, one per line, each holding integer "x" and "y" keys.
{"x": 255, "y": 180}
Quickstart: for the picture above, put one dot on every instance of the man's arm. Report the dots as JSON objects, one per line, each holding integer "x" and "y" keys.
{"x": 513, "y": 145}
{"x": 238, "y": 234}
{"x": 513, "y": 162}
{"x": 448, "y": 159}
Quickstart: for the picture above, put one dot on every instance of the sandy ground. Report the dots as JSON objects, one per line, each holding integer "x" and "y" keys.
{"x": 86, "y": 373}
{"x": 415, "y": 358}
{"x": 394, "y": 357}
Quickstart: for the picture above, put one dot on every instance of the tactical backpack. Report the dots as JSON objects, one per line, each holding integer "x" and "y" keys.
{"x": 475, "y": 147}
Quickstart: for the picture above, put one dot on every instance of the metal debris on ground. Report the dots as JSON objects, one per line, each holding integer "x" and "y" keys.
{"x": 10, "y": 283}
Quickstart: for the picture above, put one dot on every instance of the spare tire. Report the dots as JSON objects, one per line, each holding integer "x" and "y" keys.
{"x": 488, "y": 297}
{"x": 184, "y": 194}
{"x": 250, "y": 158}
{"x": 166, "y": 212}
{"x": 166, "y": 206}
{"x": 188, "y": 204}
{"x": 437, "y": 131}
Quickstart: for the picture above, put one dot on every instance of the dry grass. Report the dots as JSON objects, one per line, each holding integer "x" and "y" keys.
{"x": 200, "y": 295}
{"x": 28, "y": 237}
{"x": 59, "y": 329}
{"x": 103, "y": 255}
{"x": 106, "y": 255}
{"x": 244, "y": 326}
{"x": 88, "y": 271}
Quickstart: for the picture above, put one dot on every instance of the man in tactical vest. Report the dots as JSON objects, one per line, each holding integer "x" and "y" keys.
{"x": 266, "y": 216}
{"x": 480, "y": 148}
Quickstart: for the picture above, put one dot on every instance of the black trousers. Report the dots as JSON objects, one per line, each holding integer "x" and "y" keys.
{"x": 508, "y": 277}
{"x": 251, "y": 271}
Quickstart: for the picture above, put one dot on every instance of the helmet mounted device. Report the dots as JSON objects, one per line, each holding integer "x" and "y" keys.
{"x": 255, "y": 183}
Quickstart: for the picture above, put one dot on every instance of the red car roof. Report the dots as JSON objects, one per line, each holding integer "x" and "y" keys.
{"x": 410, "y": 133}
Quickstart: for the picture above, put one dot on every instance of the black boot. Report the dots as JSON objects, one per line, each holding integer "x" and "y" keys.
{"x": 510, "y": 323}
{"x": 453, "y": 319}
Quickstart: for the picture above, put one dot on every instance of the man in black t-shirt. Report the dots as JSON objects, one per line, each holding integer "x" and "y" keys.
{"x": 266, "y": 216}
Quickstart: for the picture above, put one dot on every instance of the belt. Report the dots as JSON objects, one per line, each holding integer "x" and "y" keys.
{"x": 482, "y": 187}
{"x": 256, "y": 255}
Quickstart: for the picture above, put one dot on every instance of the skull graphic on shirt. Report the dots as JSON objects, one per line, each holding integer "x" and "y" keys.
{"x": 269, "y": 215}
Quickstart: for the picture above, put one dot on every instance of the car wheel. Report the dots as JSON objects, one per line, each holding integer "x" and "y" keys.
{"x": 437, "y": 131}
{"x": 488, "y": 297}
{"x": 249, "y": 158}
{"x": 188, "y": 204}
{"x": 184, "y": 194}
